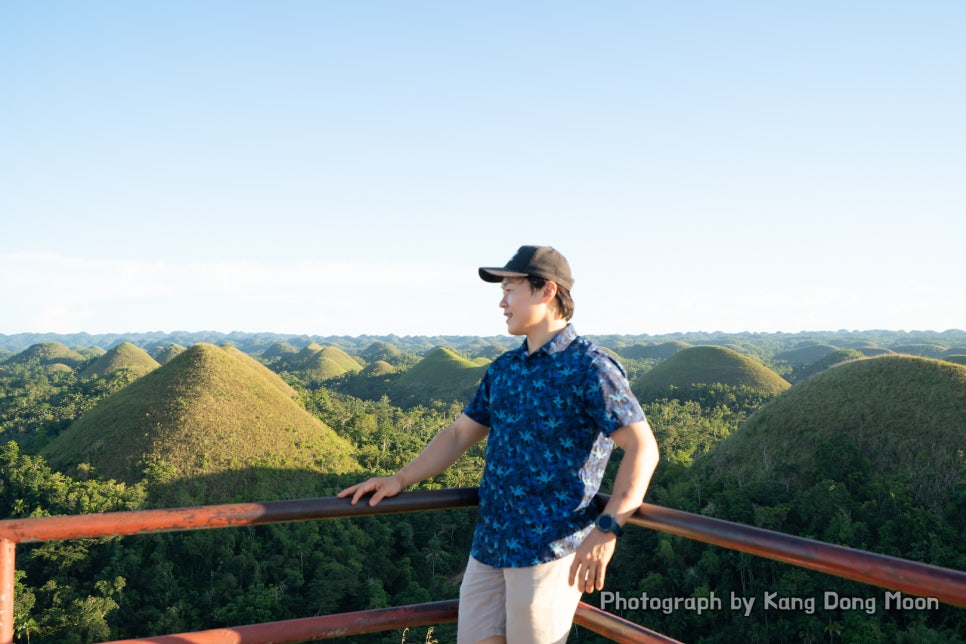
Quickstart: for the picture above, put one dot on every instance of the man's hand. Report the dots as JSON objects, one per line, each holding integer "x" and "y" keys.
{"x": 380, "y": 487}
{"x": 591, "y": 559}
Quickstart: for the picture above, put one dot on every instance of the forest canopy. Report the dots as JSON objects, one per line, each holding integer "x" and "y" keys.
{"x": 350, "y": 407}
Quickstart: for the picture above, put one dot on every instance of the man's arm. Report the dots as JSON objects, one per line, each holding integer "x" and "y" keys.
{"x": 441, "y": 452}
{"x": 633, "y": 476}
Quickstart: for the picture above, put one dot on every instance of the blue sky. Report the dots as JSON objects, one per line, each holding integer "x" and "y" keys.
{"x": 344, "y": 167}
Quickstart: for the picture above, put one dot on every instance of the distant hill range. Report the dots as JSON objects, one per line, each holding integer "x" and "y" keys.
{"x": 911, "y": 342}
{"x": 905, "y": 416}
{"x": 211, "y": 424}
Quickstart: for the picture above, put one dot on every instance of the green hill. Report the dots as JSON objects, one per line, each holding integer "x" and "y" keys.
{"x": 89, "y": 352}
{"x": 906, "y": 415}
{"x": 165, "y": 354}
{"x": 123, "y": 357}
{"x": 381, "y": 351}
{"x": 45, "y": 354}
{"x": 385, "y": 352}
{"x": 805, "y": 354}
{"x": 872, "y": 352}
{"x": 278, "y": 351}
{"x": 661, "y": 351}
{"x": 827, "y": 361}
{"x": 442, "y": 374}
{"x": 259, "y": 368}
{"x": 923, "y": 350}
{"x": 320, "y": 363}
{"x": 707, "y": 365}
{"x": 204, "y": 413}
{"x": 378, "y": 369}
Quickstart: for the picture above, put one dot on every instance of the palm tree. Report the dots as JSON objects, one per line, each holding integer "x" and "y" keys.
{"x": 24, "y": 627}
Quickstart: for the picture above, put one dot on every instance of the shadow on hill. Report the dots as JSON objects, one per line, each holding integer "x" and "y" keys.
{"x": 247, "y": 485}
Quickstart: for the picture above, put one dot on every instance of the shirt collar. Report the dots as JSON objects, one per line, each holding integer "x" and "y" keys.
{"x": 556, "y": 344}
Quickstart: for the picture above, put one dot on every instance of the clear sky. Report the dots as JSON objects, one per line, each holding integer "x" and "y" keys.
{"x": 344, "y": 167}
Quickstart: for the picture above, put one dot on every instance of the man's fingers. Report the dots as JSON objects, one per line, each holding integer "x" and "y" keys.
{"x": 349, "y": 490}
{"x": 378, "y": 496}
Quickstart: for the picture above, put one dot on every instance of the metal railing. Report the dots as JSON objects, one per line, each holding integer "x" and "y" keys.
{"x": 892, "y": 573}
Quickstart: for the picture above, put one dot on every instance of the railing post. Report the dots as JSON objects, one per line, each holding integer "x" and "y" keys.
{"x": 8, "y": 551}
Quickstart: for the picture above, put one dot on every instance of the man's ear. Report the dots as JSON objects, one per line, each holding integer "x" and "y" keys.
{"x": 549, "y": 292}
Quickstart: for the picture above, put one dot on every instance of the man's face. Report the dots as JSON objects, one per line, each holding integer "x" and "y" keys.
{"x": 523, "y": 309}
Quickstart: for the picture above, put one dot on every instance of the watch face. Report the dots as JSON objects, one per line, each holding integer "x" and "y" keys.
{"x": 605, "y": 522}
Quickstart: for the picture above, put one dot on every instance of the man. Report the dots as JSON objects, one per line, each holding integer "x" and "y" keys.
{"x": 551, "y": 411}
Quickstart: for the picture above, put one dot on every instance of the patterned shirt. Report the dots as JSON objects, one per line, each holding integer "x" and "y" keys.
{"x": 550, "y": 415}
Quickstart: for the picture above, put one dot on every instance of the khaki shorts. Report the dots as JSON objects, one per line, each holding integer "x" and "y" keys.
{"x": 533, "y": 605}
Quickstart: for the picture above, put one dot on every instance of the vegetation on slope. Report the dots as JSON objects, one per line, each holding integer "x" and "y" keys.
{"x": 829, "y": 360}
{"x": 181, "y": 582}
{"x": 203, "y": 413}
{"x": 707, "y": 365}
{"x": 318, "y": 363}
{"x": 905, "y": 415}
{"x": 805, "y": 354}
{"x": 123, "y": 357}
{"x": 660, "y": 351}
{"x": 442, "y": 374}
{"x": 166, "y": 353}
{"x": 46, "y": 354}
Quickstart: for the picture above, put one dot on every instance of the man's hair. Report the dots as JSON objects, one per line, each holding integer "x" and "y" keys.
{"x": 563, "y": 302}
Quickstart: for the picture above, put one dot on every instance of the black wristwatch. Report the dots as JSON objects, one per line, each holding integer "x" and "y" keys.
{"x": 607, "y": 523}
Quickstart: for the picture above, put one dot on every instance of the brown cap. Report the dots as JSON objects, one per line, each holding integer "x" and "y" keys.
{"x": 536, "y": 261}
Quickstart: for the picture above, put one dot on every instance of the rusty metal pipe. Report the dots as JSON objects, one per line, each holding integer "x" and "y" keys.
{"x": 315, "y": 628}
{"x": 8, "y": 565}
{"x": 946, "y": 585}
{"x": 616, "y": 628}
{"x": 225, "y": 516}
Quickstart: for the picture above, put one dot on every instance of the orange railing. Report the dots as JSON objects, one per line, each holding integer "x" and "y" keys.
{"x": 947, "y": 586}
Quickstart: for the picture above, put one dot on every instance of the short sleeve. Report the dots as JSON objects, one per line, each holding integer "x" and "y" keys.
{"x": 479, "y": 407}
{"x": 608, "y": 396}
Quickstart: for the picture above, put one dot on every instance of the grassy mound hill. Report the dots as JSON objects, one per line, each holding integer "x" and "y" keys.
{"x": 89, "y": 352}
{"x": 661, "y": 351}
{"x": 45, "y": 354}
{"x": 442, "y": 374}
{"x": 827, "y": 361}
{"x": 389, "y": 353}
{"x": 872, "y": 352}
{"x": 167, "y": 353}
{"x": 707, "y": 365}
{"x": 378, "y": 369}
{"x": 320, "y": 363}
{"x": 272, "y": 377}
{"x": 805, "y": 354}
{"x": 124, "y": 357}
{"x": 922, "y": 350}
{"x": 906, "y": 415}
{"x": 206, "y": 412}
{"x": 278, "y": 351}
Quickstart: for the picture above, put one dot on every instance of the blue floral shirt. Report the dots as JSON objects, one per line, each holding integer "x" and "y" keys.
{"x": 550, "y": 415}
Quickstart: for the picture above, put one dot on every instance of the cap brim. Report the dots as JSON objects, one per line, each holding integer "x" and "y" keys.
{"x": 497, "y": 274}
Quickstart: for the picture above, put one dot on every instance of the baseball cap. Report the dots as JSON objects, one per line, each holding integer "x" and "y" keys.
{"x": 539, "y": 261}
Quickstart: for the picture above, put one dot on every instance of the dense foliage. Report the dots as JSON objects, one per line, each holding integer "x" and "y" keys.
{"x": 91, "y": 590}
